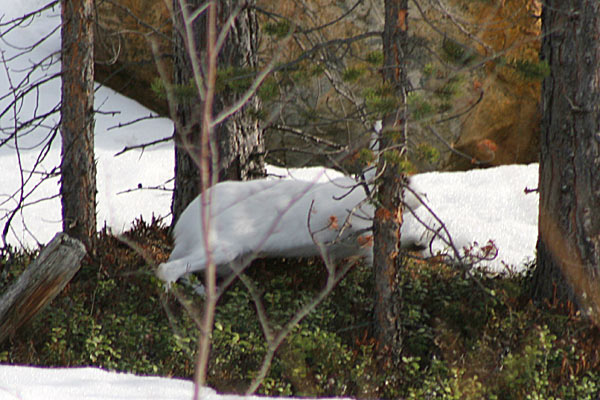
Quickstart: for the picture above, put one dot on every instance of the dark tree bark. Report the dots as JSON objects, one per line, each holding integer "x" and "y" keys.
{"x": 187, "y": 124}
{"x": 568, "y": 250}
{"x": 78, "y": 168}
{"x": 388, "y": 216}
{"x": 238, "y": 140}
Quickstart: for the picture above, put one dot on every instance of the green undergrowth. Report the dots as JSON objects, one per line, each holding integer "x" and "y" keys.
{"x": 463, "y": 338}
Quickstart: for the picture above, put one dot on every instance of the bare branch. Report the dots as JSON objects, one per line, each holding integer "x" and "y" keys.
{"x": 144, "y": 145}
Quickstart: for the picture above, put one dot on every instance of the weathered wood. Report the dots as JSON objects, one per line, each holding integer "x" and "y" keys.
{"x": 43, "y": 279}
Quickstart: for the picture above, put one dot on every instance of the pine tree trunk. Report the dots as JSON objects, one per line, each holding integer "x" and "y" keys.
{"x": 568, "y": 248}
{"x": 388, "y": 216}
{"x": 78, "y": 168}
{"x": 187, "y": 126}
{"x": 238, "y": 140}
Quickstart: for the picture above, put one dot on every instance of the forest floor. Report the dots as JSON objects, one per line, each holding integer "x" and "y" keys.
{"x": 464, "y": 335}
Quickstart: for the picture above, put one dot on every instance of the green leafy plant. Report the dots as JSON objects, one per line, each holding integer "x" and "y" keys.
{"x": 279, "y": 29}
{"x": 375, "y": 58}
{"x": 457, "y": 53}
{"x": 530, "y": 70}
{"x": 463, "y": 337}
{"x": 426, "y": 152}
{"x": 352, "y": 74}
{"x": 419, "y": 107}
{"x": 181, "y": 93}
{"x": 380, "y": 99}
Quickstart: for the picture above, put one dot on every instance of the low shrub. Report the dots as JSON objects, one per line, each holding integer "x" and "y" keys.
{"x": 463, "y": 337}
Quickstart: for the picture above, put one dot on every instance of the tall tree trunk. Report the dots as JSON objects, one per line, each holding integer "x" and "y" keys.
{"x": 388, "y": 216}
{"x": 188, "y": 118}
{"x": 78, "y": 168}
{"x": 568, "y": 248}
{"x": 238, "y": 140}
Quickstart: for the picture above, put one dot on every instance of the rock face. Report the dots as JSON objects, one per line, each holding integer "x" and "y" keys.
{"x": 126, "y": 32}
{"x": 504, "y": 127}
{"x": 501, "y": 129}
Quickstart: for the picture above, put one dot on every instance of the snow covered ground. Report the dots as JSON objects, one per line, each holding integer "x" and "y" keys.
{"x": 486, "y": 204}
{"x": 475, "y": 206}
{"x": 115, "y": 175}
{"x": 30, "y": 383}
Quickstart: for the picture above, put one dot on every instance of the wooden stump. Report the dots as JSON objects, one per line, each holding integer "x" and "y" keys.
{"x": 41, "y": 281}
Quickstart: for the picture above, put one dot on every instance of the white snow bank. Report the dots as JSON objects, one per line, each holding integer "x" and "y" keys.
{"x": 117, "y": 208}
{"x": 90, "y": 383}
{"x": 486, "y": 204}
{"x": 475, "y": 205}
{"x": 270, "y": 218}
{"x": 32, "y": 383}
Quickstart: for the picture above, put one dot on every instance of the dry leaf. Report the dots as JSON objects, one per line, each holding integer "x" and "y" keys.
{"x": 365, "y": 241}
{"x": 333, "y": 222}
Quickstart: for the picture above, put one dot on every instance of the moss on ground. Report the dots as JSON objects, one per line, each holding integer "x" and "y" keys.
{"x": 462, "y": 339}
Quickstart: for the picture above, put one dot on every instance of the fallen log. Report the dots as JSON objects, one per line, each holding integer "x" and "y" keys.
{"x": 39, "y": 284}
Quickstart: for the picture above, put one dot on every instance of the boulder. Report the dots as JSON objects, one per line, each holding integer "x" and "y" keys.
{"x": 504, "y": 127}
{"x": 124, "y": 59}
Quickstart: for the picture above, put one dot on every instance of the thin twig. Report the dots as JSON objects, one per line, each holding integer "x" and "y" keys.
{"x": 144, "y": 145}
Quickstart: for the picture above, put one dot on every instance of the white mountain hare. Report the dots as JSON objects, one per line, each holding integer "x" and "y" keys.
{"x": 278, "y": 218}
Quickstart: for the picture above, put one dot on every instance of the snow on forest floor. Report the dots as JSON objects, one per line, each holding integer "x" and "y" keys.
{"x": 475, "y": 206}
